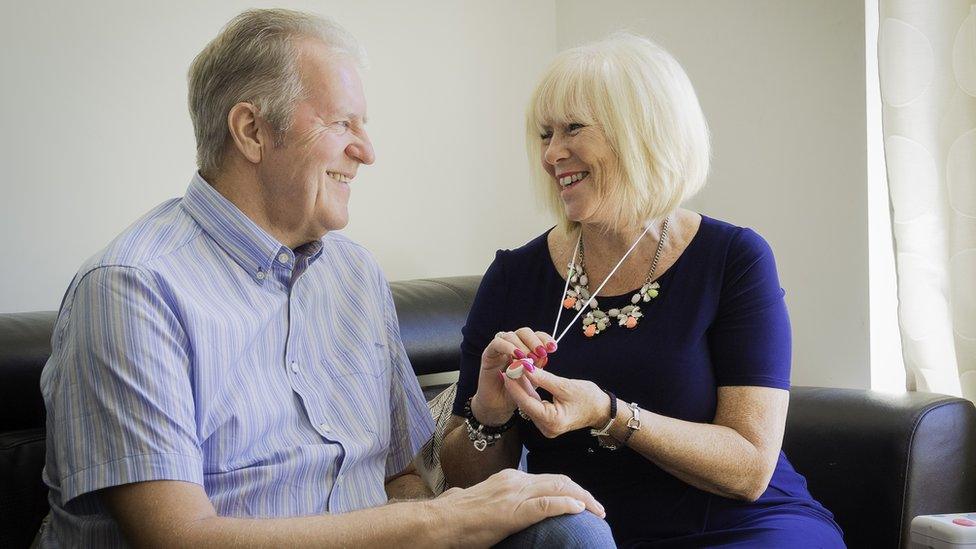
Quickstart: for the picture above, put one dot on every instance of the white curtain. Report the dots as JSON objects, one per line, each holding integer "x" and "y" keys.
{"x": 927, "y": 66}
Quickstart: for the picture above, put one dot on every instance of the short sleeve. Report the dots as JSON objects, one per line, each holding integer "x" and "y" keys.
{"x": 118, "y": 389}
{"x": 410, "y": 423}
{"x": 750, "y": 340}
{"x": 485, "y": 319}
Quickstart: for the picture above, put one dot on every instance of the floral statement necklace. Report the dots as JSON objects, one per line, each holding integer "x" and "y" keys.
{"x": 596, "y": 320}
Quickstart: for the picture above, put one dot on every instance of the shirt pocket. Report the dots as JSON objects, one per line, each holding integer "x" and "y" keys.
{"x": 370, "y": 359}
{"x": 362, "y": 388}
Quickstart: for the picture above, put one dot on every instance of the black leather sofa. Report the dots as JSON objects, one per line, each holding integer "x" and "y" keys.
{"x": 875, "y": 460}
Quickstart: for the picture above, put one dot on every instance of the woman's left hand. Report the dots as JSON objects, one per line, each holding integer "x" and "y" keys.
{"x": 576, "y": 403}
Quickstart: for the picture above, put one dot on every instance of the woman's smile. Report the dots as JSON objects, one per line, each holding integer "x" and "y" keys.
{"x": 569, "y": 180}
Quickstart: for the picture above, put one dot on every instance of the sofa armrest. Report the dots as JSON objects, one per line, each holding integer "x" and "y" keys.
{"x": 23, "y": 495}
{"x": 877, "y": 460}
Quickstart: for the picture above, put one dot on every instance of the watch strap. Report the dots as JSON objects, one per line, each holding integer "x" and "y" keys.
{"x": 603, "y": 435}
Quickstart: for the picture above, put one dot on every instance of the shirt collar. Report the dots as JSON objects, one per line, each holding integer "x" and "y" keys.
{"x": 242, "y": 239}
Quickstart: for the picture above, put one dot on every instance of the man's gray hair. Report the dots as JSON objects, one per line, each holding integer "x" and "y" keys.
{"x": 254, "y": 59}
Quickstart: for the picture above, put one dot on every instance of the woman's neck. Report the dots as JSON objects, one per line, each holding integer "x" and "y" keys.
{"x": 604, "y": 241}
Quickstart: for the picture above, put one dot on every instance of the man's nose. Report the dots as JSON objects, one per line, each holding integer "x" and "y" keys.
{"x": 362, "y": 149}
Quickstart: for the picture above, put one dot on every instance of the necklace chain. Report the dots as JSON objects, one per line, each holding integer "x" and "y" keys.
{"x": 596, "y": 320}
{"x": 657, "y": 253}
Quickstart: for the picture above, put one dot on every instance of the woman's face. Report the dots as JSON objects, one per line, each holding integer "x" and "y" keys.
{"x": 579, "y": 159}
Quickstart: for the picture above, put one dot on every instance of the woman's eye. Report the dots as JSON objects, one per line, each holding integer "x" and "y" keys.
{"x": 573, "y": 128}
{"x": 546, "y": 135}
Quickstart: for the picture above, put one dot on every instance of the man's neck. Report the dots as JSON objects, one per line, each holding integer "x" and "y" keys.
{"x": 243, "y": 188}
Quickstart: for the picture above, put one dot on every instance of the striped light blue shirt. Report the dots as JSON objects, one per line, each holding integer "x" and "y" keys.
{"x": 195, "y": 347}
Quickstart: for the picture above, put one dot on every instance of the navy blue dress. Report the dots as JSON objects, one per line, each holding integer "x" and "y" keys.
{"x": 720, "y": 319}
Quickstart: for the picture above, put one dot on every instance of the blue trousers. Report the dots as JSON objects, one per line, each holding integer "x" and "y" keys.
{"x": 583, "y": 530}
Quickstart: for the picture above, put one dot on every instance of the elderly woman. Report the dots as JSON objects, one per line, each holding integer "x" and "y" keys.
{"x": 666, "y": 395}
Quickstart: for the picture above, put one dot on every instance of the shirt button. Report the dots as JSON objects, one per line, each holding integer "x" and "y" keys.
{"x": 260, "y": 275}
{"x": 283, "y": 257}
{"x": 294, "y": 366}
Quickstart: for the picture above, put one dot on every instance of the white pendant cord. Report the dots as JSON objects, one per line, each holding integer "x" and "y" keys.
{"x": 594, "y": 294}
{"x": 559, "y": 309}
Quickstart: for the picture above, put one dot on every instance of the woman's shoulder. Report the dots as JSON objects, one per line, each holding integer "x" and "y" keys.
{"x": 516, "y": 268}
{"x": 734, "y": 250}
{"x": 528, "y": 251}
{"x": 734, "y": 239}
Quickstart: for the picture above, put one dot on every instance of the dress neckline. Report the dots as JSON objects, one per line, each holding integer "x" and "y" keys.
{"x": 628, "y": 294}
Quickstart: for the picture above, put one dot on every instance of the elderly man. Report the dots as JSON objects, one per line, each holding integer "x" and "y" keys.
{"x": 228, "y": 371}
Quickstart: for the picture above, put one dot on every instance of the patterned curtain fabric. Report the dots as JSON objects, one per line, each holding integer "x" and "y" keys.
{"x": 927, "y": 65}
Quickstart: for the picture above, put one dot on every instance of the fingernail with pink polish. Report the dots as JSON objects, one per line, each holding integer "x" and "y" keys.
{"x": 518, "y": 353}
{"x": 551, "y": 346}
{"x": 540, "y": 351}
{"x": 528, "y": 365}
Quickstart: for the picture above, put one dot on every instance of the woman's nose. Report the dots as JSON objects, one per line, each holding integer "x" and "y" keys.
{"x": 555, "y": 151}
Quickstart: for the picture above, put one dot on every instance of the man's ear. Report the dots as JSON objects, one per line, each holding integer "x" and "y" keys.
{"x": 247, "y": 132}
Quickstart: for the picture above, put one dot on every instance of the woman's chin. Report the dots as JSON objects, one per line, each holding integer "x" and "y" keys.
{"x": 576, "y": 215}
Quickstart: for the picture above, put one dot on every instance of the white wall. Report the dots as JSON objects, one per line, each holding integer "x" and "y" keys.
{"x": 95, "y": 132}
{"x": 782, "y": 86}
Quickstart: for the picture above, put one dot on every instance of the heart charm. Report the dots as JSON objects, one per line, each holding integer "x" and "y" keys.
{"x": 480, "y": 445}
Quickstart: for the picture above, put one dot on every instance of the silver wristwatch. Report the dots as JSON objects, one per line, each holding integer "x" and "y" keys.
{"x": 634, "y": 423}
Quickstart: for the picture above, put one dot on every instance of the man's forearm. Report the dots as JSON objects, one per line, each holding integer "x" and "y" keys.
{"x": 387, "y": 526}
{"x": 179, "y": 514}
{"x": 170, "y": 513}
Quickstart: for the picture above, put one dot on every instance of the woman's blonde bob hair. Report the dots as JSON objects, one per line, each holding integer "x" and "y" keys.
{"x": 644, "y": 103}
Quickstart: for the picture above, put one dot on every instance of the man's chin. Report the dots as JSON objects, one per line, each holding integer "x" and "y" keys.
{"x": 335, "y": 223}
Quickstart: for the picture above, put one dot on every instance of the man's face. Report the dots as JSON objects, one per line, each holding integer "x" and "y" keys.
{"x": 307, "y": 179}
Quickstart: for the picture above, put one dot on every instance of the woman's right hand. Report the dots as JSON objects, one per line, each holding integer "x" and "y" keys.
{"x": 491, "y": 404}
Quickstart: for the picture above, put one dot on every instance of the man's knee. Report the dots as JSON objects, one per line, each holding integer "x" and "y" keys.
{"x": 581, "y": 530}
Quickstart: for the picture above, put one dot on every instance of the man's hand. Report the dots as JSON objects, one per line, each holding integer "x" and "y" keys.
{"x": 507, "y": 502}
